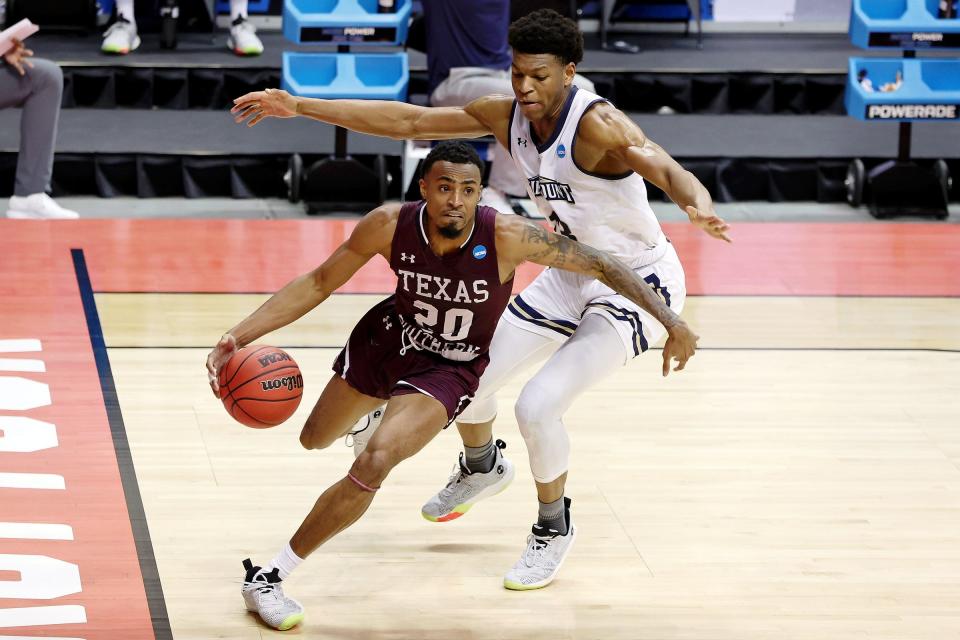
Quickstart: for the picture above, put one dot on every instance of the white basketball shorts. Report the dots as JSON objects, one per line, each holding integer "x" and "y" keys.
{"x": 557, "y": 300}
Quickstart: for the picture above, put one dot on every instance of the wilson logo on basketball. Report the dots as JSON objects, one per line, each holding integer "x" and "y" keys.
{"x": 271, "y": 358}
{"x": 288, "y": 382}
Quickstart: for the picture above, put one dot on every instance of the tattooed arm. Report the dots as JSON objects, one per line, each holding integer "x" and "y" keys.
{"x": 519, "y": 240}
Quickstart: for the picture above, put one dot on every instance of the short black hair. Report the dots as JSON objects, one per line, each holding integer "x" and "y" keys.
{"x": 546, "y": 31}
{"x": 453, "y": 151}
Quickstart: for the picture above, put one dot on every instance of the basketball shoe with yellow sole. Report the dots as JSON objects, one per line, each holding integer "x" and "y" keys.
{"x": 263, "y": 595}
{"x": 541, "y": 560}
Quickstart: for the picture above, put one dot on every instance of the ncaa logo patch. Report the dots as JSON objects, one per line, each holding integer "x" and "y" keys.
{"x": 561, "y": 150}
{"x": 479, "y": 252}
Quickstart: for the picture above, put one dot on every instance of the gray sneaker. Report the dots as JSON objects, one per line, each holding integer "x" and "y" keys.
{"x": 466, "y": 488}
{"x": 541, "y": 560}
{"x": 363, "y": 430}
{"x": 263, "y": 595}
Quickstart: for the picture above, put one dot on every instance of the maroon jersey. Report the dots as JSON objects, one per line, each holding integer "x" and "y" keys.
{"x": 448, "y": 305}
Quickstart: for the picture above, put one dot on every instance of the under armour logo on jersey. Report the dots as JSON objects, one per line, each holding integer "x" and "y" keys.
{"x": 407, "y": 257}
{"x": 387, "y": 323}
{"x": 521, "y": 142}
{"x": 551, "y": 189}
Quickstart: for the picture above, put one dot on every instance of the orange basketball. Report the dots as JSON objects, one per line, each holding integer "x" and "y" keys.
{"x": 260, "y": 386}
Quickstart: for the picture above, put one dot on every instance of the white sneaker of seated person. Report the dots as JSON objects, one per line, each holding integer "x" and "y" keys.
{"x": 38, "y": 206}
{"x": 121, "y": 38}
{"x": 243, "y": 40}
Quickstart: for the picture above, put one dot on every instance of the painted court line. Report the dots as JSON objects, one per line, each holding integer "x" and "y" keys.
{"x": 128, "y": 475}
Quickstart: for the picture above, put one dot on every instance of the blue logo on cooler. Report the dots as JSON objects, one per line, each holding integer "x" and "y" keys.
{"x": 561, "y": 150}
{"x": 479, "y": 252}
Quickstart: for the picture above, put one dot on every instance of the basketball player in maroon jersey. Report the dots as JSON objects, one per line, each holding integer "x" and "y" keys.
{"x": 424, "y": 348}
{"x": 586, "y": 163}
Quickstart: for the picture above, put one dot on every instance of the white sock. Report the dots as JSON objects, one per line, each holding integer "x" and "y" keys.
{"x": 125, "y": 9}
{"x": 237, "y": 8}
{"x": 285, "y": 562}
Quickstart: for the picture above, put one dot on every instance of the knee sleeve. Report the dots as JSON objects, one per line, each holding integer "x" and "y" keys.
{"x": 540, "y": 415}
{"x": 511, "y": 351}
{"x": 480, "y": 410}
{"x": 594, "y": 352}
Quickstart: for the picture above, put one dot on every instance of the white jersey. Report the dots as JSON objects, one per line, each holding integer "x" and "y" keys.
{"x": 608, "y": 213}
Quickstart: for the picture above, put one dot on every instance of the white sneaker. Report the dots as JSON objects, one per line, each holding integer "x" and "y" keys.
{"x": 465, "y": 488}
{"x": 243, "y": 39}
{"x": 263, "y": 595}
{"x": 121, "y": 38}
{"x": 360, "y": 435}
{"x": 543, "y": 557}
{"x": 38, "y": 206}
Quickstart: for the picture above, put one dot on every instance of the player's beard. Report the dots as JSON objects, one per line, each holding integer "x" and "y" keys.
{"x": 452, "y": 231}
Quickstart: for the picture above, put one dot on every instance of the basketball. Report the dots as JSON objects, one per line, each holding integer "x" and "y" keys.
{"x": 260, "y": 386}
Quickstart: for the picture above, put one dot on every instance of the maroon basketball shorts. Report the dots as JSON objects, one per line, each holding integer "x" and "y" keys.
{"x": 375, "y": 363}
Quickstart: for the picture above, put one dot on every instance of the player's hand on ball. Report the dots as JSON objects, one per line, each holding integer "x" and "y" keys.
{"x": 256, "y": 106}
{"x": 681, "y": 344}
{"x": 219, "y": 357}
{"x": 710, "y": 222}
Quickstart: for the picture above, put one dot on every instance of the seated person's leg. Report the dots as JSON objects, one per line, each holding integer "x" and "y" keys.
{"x": 459, "y": 89}
{"x": 243, "y": 39}
{"x": 121, "y": 38}
{"x": 584, "y": 83}
{"x": 39, "y": 95}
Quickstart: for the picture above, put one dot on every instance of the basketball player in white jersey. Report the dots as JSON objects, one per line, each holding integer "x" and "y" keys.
{"x": 585, "y": 162}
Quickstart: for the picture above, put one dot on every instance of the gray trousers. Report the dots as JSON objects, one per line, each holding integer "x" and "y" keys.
{"x": 38, "y": 94}
{"x": 465, "y": 84}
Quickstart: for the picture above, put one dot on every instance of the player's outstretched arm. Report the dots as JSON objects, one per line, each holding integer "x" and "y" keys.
{"x": 386, "y": 118}
{"x": 519, "y": 240}
{"x": 372, "y": 235}
{"x": 606, "y": 127}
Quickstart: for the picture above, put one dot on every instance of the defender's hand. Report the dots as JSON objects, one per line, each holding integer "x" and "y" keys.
{"x": 681, "y": 344}
{"x": 713, "y": 224}
{"x": 270, "y": 103}
{"x": 219, "y": 357}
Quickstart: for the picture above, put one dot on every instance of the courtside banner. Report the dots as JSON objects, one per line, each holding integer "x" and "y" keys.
{"x": 913, "y": 111}
{"x": 69, "y": 566}
{"x": 914, "y": 39}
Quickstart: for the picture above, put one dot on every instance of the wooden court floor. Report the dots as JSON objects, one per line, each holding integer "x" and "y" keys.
{"x": 801, "y": 479}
